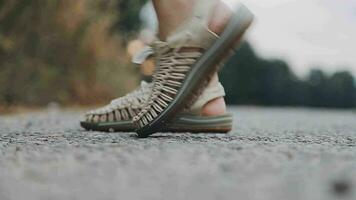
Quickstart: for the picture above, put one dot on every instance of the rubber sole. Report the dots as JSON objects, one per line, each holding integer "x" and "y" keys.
{"x": 182, "y": 123}
{"x": 202, "y": 71}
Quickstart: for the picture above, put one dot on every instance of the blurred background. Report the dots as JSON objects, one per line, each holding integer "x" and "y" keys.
{"x": 298, "y": 53}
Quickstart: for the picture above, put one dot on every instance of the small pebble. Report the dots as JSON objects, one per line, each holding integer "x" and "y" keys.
{"x": 341, "y": 187}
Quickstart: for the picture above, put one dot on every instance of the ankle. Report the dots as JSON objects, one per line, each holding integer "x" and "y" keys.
{"x": 171, "y": 14}
{"x": 220, "y": 17}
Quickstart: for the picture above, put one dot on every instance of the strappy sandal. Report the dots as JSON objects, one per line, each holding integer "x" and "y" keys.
{"x": 117, "y": 116}
{"x": 185, "y": 64}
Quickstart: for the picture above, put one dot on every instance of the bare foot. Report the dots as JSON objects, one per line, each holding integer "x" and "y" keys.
{"x": 219, "y": 20}
{"x": 214, "y": 108}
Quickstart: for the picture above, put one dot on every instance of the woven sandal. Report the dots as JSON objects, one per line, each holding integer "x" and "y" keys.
{"x": 185, "y": 63}
{"x": 117, "y": 116}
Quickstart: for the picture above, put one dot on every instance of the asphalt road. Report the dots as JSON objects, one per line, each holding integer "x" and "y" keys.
{"x": 273, "y": 153}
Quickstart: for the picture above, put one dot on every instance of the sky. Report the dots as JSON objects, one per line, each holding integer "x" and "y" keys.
{"x": 306, "y": 33}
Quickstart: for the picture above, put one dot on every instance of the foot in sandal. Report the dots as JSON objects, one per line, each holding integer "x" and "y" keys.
{"x": 117, "y": 116}
{"x": 185, "y": 64}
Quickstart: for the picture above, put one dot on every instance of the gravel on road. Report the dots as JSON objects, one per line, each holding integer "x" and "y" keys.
{"x": 272, "y": 153}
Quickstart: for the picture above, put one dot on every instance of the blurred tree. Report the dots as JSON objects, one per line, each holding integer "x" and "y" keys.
{"x": 249, "y": 79}
{"x": 317, "y": 88}
{"x": 241, "y": 80}
{"x": 52, "y": 50}
{"x": 341, "y": 90}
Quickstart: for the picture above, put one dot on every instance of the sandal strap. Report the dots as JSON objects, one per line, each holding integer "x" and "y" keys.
{"x": 141, "y": 56}
{"x": 213, "y": 91}
{"x": 203, "y": 10}
{"x": 194, "y": 31}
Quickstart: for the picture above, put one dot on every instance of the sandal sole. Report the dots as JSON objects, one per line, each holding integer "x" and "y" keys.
{"x": 182, "y": 123}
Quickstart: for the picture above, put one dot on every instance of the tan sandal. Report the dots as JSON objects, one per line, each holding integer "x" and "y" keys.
{"x": 117, "y": 116}
{"x": 185, "y": 64}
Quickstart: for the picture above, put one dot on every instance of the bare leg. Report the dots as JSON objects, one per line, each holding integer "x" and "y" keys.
{"x": 171, "y": 13}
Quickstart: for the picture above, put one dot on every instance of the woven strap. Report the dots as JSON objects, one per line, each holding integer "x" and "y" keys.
{"x": 174, "y": 59}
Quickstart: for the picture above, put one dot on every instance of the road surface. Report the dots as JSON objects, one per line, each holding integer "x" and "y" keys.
{"x": 272, "y": 153}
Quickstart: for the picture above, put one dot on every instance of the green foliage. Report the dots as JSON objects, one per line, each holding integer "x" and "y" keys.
{"x": 249, "y": 79}
{"x": 337, "y": 90}
{"x": 52, "y": 50}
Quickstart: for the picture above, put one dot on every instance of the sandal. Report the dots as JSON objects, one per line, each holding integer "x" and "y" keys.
{"x": 185, "y": 63}
{"x": 117, "y": 116}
